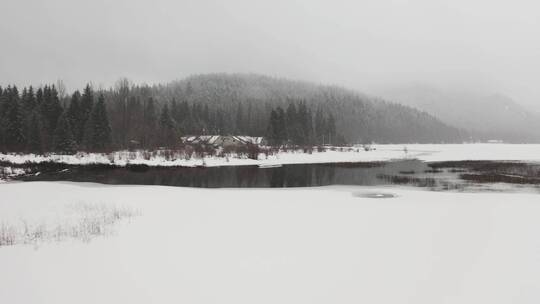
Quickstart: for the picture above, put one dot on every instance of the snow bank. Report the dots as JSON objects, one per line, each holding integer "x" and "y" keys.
{"x": 459, "y": 152}
{"x": 311, "y": 245}
{"x": 431, "y": 152}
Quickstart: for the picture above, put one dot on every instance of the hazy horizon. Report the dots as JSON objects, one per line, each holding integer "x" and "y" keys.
{"x": 486, "y": 46}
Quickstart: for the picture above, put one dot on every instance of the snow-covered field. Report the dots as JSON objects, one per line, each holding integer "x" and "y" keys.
{"x": 310, "y": 245}
{"x": 426, "y": 152}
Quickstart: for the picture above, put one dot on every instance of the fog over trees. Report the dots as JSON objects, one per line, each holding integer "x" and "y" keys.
{"x": 485, "y": 46}
{"x": 488, "y": 45}
{"x": 130, "y": 115}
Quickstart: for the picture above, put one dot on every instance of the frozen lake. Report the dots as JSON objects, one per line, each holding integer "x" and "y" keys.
{"x": 295, "y": 245}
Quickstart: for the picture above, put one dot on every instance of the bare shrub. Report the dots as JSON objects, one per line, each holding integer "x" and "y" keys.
{"x": 82, "y": 221}
{"x": 7, "y": 235}
{"x": 308, "y": 149}
{"x": 146, "y": 155}
{"x": 111, "y": 157}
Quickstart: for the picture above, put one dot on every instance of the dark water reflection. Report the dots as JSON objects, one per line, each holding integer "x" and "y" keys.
{"x": 408, "y": 172}
{"x": 301, "y": 175}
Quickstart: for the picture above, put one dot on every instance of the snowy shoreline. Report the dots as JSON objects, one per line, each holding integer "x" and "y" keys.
{"x": 423, "y": 152}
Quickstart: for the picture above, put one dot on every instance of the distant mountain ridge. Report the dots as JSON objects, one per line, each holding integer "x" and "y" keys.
{"x": 493, "y": 116}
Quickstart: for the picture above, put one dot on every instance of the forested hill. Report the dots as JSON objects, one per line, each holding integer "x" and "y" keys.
{"x": 286, "y": 112}
{"x": 359, "y": 118}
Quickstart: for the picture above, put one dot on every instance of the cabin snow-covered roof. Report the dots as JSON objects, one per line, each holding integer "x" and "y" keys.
{"x": 256, "y": 140}
{"x": 215, "y": 139}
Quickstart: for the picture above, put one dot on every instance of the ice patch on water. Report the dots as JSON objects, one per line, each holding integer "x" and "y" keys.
{"x": 372, "y": 194}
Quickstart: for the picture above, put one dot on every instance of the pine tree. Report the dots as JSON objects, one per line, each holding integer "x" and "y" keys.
{"x": 98, "y": 130}
{"x": 319, "y": 126}
{"x": 13, "y": 121}
{"x": 281, "y": 125}
{"x": 51, "y": 109}
{"x": 272, "y": 130}
{"x": 291, "y": 123}
{"x": 3, "y": 106}
{"x": 63, "y": 140}
{"x": 74, "y": 116}
{"x": 205, "y": 117}
{"x": 86, "y": 106}
{"x": 240, "y": 124}
{"x": 135, "y": 120}
{"x": 28, "y": 100}
{"x": 219, "y": 125}
{"x": 34, "y": 143}
{"x": 39, "y": 97}
{"x": 305, "y": 125}
{"x": 167, "y": 128}
{"x": 189, "y": 90}
{"x": 276, "y": 131}
{"x": 175, "y": 110}
{"x": 183, "y": 115}
{"x": 249, "y": 121}
{"x": 150, "y": 124}
{"x": 331, "y": 128}
{"x": 195, "y": 120}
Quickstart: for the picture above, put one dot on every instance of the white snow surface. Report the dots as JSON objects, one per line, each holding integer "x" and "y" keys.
{"x": 309, "y": 245}
{"x": 425, "y": 152}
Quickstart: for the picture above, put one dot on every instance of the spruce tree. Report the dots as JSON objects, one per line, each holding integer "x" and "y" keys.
{"x": 219, "y": 125}
{"x": 98, "y": 130}
{"x": 194, "y": 120}
{"x": 319, "y": 126}
{"x": 248, "y": 120}
{"x": 3, "y": 103}
{"x": 74, "y": 116}
{"x": 28, "y": 100}
{"x": 331, "y": 128}
{"x": 183, "y": 115}
{"x": 272, "y": 130}
{"x": 34, "y": 142}
{"x": 51, "y": 109}
{"x": 167, "y": 128}
{"x": 63, "y": 140}
{"x": 240, "y": 125}
{"x": 39, "y": 97}
{"x": 290, "y": 122}
{"x": 305, "y": 125}
{"x": 175, "y": 110}
{"x": 276, "y": 131}
{"x": 13, "y": 121}
{"x": 281, "y": 125}
{"x": 150, "y": 124}
{"x": 86, "y": 105}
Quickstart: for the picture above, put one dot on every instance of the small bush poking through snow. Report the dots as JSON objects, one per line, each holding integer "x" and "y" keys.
{"x": 82, "y": 221}
{"x": 7, "y": 173}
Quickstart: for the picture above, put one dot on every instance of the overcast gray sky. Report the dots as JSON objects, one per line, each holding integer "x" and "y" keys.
{"x": 492, "y": 45}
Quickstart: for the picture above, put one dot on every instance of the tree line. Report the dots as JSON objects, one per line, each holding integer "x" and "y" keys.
{"x": 39, "y": 122}
{"x": 298, "y": 126}
{"x": 127, "y": 115}
{"x": 42, "y": 120}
